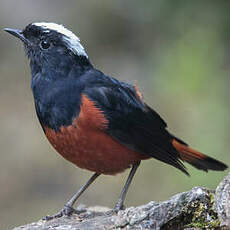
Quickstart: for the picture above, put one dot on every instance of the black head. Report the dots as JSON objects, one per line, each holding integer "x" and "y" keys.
{"x": 52, "y": 46}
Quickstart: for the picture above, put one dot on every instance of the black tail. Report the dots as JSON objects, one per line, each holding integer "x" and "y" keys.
{"x": 198, "y": 159}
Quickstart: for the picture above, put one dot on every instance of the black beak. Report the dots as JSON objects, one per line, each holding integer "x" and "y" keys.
{"x": 17, "y": 33}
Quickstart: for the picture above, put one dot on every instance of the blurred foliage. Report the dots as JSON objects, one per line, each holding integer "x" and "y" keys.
{"x": 177, "y": 51}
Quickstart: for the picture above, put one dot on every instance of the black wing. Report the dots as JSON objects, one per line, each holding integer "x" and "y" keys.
{"x": 132, "y": 122}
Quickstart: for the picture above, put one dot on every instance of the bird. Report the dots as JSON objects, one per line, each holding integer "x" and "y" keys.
{"x": 93, "y": 120}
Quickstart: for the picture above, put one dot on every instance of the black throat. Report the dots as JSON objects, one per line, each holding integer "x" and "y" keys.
{"x": 57, "y": 86}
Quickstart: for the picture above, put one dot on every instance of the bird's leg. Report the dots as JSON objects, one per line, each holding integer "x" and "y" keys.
{"x": 68, "y": 207}
{"x": 119, "y": 205}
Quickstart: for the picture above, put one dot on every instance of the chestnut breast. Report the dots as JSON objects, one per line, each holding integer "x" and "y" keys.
{"x": 85, "y": 143}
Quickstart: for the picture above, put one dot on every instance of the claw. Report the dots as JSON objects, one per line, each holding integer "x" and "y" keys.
{"x": 66, "y": 211}
{"x": 119, "y": 206}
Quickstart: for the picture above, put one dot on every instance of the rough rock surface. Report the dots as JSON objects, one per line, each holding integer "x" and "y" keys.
{"x": 222, "y": 201}
{"x": 199, "y": 208}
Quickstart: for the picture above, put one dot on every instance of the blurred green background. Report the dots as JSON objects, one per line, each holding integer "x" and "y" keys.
{"x": 177, "y": 52}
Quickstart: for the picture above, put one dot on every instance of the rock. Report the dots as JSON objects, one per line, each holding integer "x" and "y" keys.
{"x": 197, "y": 209}
{"x": 222, "y": 201}
{"x": 187, "y": 210}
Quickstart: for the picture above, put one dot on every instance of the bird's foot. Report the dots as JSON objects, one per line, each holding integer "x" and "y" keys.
{"x": 119, "y": 206}
{"x": 66, "y": 211}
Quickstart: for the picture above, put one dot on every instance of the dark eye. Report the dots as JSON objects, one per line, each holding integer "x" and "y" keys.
{"x": 44, "y": 45}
